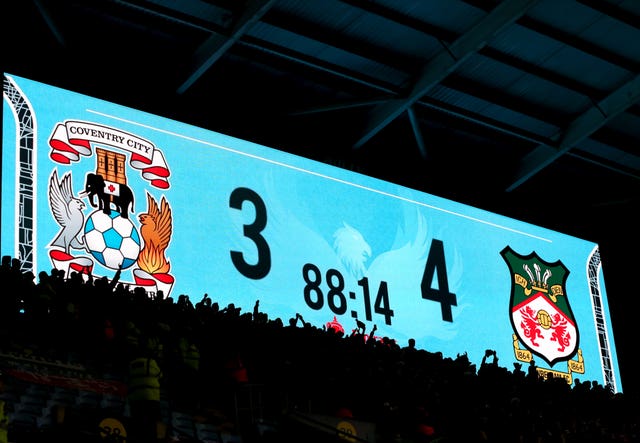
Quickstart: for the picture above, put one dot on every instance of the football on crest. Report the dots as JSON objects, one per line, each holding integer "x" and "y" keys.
{"x": 112, "y": 239}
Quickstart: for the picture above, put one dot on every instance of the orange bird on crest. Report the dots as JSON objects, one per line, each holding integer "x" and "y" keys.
{"x": 156, "y": 228}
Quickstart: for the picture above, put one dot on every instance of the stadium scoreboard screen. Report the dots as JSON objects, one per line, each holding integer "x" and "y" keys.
{"x": 90, "y": 186}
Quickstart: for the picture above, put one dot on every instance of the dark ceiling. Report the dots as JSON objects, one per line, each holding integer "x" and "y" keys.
{"x": 520, "y": 107}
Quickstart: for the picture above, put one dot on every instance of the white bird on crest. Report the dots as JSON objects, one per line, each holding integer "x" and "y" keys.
{"x": 68, "y": 212}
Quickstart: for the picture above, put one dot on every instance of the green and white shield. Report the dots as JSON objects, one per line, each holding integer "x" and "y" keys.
{"x": 540, "y": 312}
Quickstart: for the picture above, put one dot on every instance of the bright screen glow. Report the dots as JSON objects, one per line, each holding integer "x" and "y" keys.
{"x": 88, "y": 186}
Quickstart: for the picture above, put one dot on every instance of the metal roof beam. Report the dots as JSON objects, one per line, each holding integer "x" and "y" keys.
{"x": 581, "y": 127}
{"x": 340, "y": 106}
{"x": 321, "y": 34}
{"x": 424, "y": 101}
{"x": 417, "y": 133}
{"x": 50, "y": 22}
{"x": 556, "y": 78}
{"x": 498, "y": 97}
{"x": 569, "y": 39}
{"x": 444, "y": 35}
{"x": 391, "y": 59}
{"x": 315, "y": 64}
{"x": 472, "y": 119}
{"x": 394, "y": 16}
{"x": 445, "y": 62}
{"x": 614, "y": 11}
{"x": 216, "y": 45}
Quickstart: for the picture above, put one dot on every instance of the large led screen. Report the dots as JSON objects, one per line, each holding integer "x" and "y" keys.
{"x": 90, "y": 186}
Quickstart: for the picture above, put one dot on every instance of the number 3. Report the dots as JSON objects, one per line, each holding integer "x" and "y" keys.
{"x": 253, "y": 232}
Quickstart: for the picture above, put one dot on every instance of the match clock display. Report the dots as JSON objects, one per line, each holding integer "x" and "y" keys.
{"x": 92, "y": 187}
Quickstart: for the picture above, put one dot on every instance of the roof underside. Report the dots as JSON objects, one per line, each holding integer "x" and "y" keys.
{"x": 526, "y": 108}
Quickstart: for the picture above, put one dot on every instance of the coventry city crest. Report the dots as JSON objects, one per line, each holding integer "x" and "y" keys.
{"x": 541, "y": 315}
{"x": 103, "y": 225}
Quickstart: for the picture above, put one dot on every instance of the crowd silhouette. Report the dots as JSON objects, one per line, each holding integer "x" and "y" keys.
{"x": 208, "y": 373}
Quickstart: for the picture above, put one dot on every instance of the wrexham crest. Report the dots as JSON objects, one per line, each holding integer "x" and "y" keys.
{"x": 541, "y": 315}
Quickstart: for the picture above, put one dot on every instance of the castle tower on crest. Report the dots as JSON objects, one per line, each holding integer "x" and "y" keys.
{"x": 111, "y": 166}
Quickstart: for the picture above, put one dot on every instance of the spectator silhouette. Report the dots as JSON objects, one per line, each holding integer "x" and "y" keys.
{"x": 143, "y": 396}
{"x": 4, "y": 414}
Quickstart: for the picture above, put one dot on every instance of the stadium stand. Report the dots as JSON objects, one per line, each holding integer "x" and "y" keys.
{"x": 58, "y": 389}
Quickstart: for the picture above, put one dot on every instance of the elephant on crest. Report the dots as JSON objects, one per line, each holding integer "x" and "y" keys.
{"x": 108, "y": 192}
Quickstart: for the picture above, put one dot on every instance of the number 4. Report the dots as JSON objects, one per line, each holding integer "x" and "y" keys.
{"x": 435, "y": 263}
